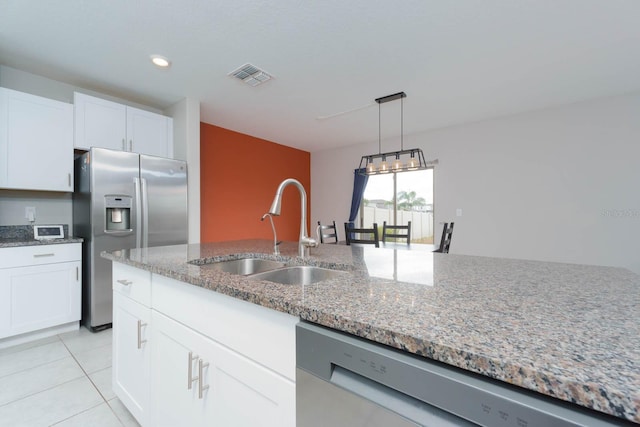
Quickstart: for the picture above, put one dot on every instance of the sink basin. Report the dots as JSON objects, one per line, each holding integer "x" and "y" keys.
{"x": 244, "y": 266}
{"x": 298, "y": 275}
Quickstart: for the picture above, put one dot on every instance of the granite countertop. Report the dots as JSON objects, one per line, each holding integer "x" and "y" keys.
{"x": 22, "y": 235}
{"x": 568, "y": 331}
{"x": 12, "y": 243}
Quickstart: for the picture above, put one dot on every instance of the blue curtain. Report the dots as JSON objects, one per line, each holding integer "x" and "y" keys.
{"x": 359, "y": 184}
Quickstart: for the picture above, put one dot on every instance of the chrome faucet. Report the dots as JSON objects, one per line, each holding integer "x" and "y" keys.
{"x": 276, "y": 249}
{"x": 305, "y": 242}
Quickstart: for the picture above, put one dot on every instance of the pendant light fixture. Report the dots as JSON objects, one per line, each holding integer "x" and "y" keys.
{"x": 413, "y": 158}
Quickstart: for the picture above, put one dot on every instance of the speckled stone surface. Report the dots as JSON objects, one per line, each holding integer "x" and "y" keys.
{"x": 22, "y": 235}
{"x": 568, "y": 331}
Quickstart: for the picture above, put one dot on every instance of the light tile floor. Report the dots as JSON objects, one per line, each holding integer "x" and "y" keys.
{"x": 61, "y": 381}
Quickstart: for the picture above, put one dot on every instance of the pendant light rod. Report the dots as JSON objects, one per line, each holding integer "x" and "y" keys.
{"x": 379, "y": 130}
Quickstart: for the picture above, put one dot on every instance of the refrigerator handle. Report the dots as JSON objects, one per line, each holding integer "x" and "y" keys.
{"x": 145, "y": 213}
{"x": 137, "y": 189}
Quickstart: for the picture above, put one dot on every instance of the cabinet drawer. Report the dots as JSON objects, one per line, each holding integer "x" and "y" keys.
{"x": 132, "y": 282}
{"x": 25, "y": 256}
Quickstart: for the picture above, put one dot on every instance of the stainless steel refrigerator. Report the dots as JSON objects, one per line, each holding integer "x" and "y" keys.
{"x": 123, "y": 200}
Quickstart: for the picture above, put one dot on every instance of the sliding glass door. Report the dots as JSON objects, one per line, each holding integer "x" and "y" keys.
{"x": 398, "y": 198}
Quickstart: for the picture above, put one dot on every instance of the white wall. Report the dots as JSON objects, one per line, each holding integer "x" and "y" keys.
{"x": 51, "y": 208}
{"x": 557, "y": 185}
{"x": 186, "y": 139}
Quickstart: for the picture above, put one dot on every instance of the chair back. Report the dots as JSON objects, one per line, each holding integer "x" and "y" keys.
{"x": 396, "y": 232}
{"x": 327, "y": 233}
{"x": 445, "y": 239}
{"x": 365, "y": 236}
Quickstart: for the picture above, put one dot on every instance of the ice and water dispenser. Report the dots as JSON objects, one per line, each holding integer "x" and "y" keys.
{"x": 118, "y": 211}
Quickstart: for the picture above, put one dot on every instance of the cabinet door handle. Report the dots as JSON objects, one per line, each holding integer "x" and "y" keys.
{"x": 69, "y": 179}
{"x": 190, "y": 377}
{"x": 201, "y": 387}
{"x": 77, "y": 274}
{"x": 124, "y": 147}
{"x": 42, "y": 255}
{"x": 140, "y": 340}
{"x": 130, "y": 145}
{"x": 124, "y": 282}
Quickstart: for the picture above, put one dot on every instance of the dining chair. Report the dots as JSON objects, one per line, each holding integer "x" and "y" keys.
{"x": 445, "y": 239}
{"x": 396, "y": 232}
{"x": 328, "y": 232}
{"x": 366, "y": 236}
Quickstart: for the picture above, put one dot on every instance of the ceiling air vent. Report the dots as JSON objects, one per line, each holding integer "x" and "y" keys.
{"x": 251, "y": 75}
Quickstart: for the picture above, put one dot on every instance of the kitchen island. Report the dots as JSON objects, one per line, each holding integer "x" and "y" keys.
{"x": 571, "y": 332}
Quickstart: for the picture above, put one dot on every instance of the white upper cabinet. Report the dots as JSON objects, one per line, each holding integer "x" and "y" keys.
{"x": 36, "y": 142}
{"x": 99, "y": 123}
{"x": 107, "y": 124}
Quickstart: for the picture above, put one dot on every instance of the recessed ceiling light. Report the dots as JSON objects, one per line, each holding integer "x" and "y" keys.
{"x": 160, "y": 61}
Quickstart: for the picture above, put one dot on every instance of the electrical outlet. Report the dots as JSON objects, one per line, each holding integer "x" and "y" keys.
{"x": 30, "y": 213}
{"x": 459, "y": 212}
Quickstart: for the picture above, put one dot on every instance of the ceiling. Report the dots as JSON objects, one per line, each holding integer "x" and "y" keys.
{"x": 457, "y": 60}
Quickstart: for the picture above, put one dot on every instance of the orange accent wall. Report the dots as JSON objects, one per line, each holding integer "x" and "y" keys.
{"x": 239, "y": 175}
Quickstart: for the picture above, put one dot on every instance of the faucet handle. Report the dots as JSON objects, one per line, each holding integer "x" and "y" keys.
{"x": 309, "y": 242}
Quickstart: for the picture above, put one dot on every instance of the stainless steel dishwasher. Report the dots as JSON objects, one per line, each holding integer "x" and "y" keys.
{"x": 342, "y": 380}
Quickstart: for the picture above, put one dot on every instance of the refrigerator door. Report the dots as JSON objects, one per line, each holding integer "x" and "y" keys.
{"x": 164, "y": 201}
{"x": 113, "y": 181}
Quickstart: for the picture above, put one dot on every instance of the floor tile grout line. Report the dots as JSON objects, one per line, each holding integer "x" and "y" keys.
{"x": 39, "y": 365}
{"x": 91, "y": 380}
{"x": 113, "y": 411}
{"x": 74, "y": 415}
{"x": 84, "y": 374}
{"x": 43, "y": 390}
{"x": 28, "y": 345}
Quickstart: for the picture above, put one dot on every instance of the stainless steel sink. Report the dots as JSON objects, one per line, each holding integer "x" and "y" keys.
{"x": 244, "y": 266}
{"x": 298, "y": 275}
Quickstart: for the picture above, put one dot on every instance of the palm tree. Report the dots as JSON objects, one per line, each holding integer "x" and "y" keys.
{"x": 408, "y": 200}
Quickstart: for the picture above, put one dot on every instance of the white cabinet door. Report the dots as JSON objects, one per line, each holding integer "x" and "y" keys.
{"x": 244, "y": 393}
{"x": 107, "y": 124}
{"x": 131, "y": 355}
{"x": 36, "y": 142}
{"x": 99, "y": 123}
{"x": 236, "y": 390}
{"x": 176, "y": 354}
{"x": 149, "y": 133}
{"x": 38, "y": 297}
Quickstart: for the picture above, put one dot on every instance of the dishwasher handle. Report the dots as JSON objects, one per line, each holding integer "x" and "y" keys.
{"x": 402, "y": 404}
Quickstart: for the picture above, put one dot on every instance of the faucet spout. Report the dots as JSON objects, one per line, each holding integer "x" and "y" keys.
{"x": 305, "y": 242}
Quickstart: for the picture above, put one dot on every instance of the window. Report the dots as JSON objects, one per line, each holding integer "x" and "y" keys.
{"x": 399, "y": 198}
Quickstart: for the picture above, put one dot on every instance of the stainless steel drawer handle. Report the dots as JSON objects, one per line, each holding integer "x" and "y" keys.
{"x": 42, "y": 255}
{"x": 190, "y": 377}
{"x": 124, "y": 282}
{"x": 201, "y": 386}
{"x": 140, "y": 340}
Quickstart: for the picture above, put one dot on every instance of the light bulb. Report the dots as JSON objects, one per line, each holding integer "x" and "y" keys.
{"x": 412, "y": 164}
{"x": 371, "y": 169}
{"x": 384, "y": 166}
{"x": 397, "y": 164}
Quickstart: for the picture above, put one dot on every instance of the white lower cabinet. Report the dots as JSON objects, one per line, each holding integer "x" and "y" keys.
{"x": 197, "y": 382}
{"x": 204, "y": 358}
{"x": 40, "y": 287}
{"x": 131, "y": 355}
